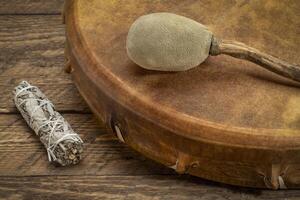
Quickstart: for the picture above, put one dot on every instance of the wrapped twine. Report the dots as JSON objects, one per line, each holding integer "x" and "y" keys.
{"x": 63, "y": 145}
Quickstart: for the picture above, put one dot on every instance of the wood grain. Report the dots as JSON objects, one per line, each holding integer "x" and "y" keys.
{"x": 36, "y": 41}
{"x": 30, "y": 6}
{"x": 32, "y": 49}
{"x": 129, "y": 187}
{"x": 22, "y": 154}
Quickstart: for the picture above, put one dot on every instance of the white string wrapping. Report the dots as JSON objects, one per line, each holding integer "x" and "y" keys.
{"x": 63, "y": 145}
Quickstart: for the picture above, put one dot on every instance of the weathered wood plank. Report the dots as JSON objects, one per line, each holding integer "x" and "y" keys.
{"x": 32, "y": 49}
{"x": 22, "y": 154}
{"x": 33, "y": 40}
{"x": 129, "y": 187}
{"x": 31, "y": 6}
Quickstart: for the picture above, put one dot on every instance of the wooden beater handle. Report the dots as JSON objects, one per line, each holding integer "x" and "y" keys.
{"x": 242, "y": 51}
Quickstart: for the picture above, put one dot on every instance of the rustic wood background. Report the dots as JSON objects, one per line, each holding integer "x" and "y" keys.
{"x": 31, "y": 48}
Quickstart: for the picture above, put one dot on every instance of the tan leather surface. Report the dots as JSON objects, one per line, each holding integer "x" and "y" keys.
{"x": 227, "y": 120}
{"x": 223, "y": 90}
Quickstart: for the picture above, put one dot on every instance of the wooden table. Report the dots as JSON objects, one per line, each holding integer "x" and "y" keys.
{"x": 31, "y": 48}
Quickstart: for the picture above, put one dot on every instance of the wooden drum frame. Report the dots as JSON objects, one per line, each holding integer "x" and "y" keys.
{"x": 226, "y": 120}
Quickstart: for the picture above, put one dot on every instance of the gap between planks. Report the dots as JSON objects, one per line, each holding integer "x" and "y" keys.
{"x": 131, "y": 187}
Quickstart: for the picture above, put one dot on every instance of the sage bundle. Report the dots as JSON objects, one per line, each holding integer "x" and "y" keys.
{"x": 63, "y": 145}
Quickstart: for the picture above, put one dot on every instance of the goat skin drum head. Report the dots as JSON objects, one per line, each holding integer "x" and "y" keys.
{"x": 168, "y": 42}
{"x": 227, "y": 120}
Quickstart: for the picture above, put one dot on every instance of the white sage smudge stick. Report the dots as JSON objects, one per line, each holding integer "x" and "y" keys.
{"x": 63, "y": 145}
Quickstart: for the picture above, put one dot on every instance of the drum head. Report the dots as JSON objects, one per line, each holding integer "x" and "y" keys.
{"x": 225, "y": 110}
